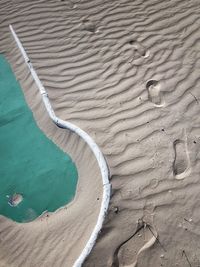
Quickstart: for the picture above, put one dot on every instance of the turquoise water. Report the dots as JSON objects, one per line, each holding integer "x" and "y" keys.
{"x": 35, "y": 175}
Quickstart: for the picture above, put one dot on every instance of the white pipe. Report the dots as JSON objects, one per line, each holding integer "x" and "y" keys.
{"x": 93, "y": 146}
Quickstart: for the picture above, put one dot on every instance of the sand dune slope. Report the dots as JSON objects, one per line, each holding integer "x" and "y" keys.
{"x": 127, "y": 72}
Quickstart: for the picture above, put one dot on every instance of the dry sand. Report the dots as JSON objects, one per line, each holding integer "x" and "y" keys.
{"x": 127, "y": 72}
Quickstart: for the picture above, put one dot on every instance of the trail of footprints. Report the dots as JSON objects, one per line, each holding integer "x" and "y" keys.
{"x": 127, "y": 254}
{"x": 181, "y": 164}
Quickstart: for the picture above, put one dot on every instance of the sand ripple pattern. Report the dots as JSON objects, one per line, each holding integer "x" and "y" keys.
{"x": 127, "y": 72}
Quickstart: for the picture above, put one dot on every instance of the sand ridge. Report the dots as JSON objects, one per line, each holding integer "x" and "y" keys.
{"x": 127, "y": 72}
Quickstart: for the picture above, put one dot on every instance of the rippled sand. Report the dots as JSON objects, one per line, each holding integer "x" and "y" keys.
{"x": 127, "y": 72}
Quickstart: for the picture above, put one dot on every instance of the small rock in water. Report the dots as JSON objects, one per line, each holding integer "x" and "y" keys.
{"x": 15, "y": 199}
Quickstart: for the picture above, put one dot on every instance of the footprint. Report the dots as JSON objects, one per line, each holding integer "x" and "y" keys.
{"x": 126, "y": 255}
{"x": 139, "y": 48}
{"x": 155, "y": 95}
{"x": 88, "y": 25}
{"x": 181, "y": 160}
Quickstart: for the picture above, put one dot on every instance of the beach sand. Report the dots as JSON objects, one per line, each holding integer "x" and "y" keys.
{"x": 126, "y": 72}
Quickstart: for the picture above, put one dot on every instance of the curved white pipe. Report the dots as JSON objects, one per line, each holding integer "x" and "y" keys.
{"x": 93, "y": 146}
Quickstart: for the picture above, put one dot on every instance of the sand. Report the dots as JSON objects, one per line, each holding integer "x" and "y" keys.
{"x": 126, "y": 72}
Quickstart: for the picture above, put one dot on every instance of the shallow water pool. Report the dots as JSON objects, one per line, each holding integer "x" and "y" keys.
{"x": 35, "y": 175}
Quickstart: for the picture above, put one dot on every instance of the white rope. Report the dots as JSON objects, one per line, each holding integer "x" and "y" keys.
{"x": 93, "y": 146}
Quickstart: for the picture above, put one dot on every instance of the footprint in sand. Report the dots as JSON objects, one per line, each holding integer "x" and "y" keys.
{"x": 139, "y": 48}
{"x": 126, "y": 255}
{"x": 181, "y": 160}
{"x": 154, "y": 93}
{"x": 88, "y": 25}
